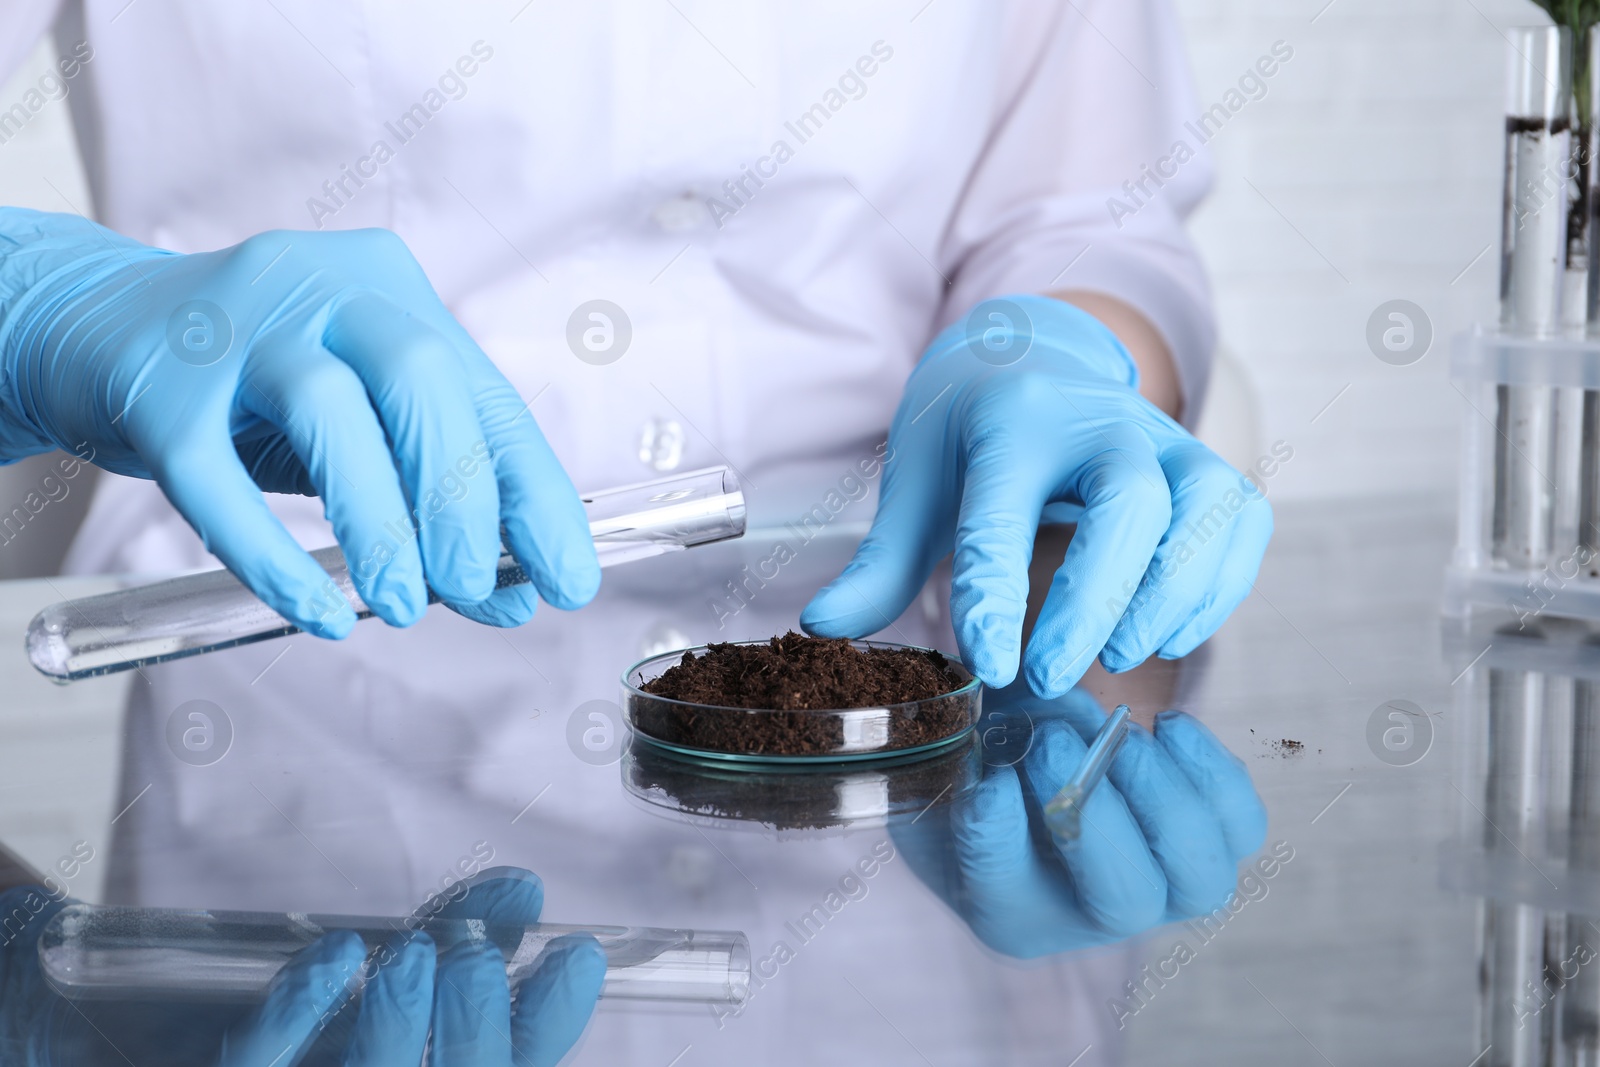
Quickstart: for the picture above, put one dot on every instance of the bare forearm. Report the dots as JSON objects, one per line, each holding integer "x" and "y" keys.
{"x": 1158, "y": 374}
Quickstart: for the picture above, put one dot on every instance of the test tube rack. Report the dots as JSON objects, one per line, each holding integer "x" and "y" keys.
{"x": 1528, "y": 515}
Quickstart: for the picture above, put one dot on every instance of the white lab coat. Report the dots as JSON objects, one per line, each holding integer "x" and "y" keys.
{"x": 773, "y": 328}
{"x": 604, "y": 151}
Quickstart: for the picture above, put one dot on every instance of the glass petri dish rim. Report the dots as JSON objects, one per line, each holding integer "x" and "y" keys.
{"x": 969, "y": 690}
{"x": 711, "y": 761}
{"x": 970, "y": 687}
{"x": 818, "y": 757}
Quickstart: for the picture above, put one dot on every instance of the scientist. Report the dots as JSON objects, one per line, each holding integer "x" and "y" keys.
{"x": 387, "y": 225}
{"x": 416, "y": 272}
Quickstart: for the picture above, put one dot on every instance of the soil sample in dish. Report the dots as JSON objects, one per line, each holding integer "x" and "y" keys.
{"x": 786, "y": 681}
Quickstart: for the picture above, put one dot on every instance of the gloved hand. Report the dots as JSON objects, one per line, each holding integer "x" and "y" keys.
{"x": 1032, "y": 402}
{"x": 312, "y": 363}
{"x": 309, "y": 1015}
{"x": 1161, "y": 841}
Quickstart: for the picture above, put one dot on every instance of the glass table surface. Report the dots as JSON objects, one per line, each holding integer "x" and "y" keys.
{"x": 1429, "y": 849}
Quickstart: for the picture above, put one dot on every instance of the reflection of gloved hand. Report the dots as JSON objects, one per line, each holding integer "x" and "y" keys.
{"x": 308, "y": 1016}
{"x": 38, "y": 1028}
{"x": 1169, "y": 539}
{"x": 293, "y": 362}
{"x": 472, "y": 1015}
{"x": 1162, "y": 836}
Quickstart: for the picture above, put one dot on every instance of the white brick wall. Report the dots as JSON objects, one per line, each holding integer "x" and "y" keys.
{"x": 1381, "y": 142}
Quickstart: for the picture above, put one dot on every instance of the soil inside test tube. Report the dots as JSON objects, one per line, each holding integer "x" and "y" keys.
{"x": 1536, "y": 124}
{"x": 799, "y": 674}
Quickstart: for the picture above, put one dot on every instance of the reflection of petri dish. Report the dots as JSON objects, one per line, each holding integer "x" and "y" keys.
{"x": 795, "y": 796}
{"x": 745, "y": 735}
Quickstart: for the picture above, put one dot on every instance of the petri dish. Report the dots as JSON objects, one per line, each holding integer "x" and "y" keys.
{"x": 760, "y": 736}
{"x": 802, "y": 799}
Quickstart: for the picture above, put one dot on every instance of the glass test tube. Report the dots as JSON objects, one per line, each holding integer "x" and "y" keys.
{"x": 1589, "y": 454}
{"x": 1577, "y": 289}
{"x": 89, "y": 952}
{"x": 1515, "y": 810}
{"x": 212, "y": 610}
{"x": 1532, "y": 273}
{"x": 1585, "y": 148}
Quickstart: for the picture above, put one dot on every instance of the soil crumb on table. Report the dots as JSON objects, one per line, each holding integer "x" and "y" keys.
{"x": 1283, "y": 746}
{"x": 797, "y": 673}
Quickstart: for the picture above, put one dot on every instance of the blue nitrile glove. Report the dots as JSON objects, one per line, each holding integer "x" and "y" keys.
{"x": 314, "y": 363}
{"x": 39, "y": 1028}
{"x": 1030, "y": 402}
{"x": 472, "y": 1019}
{"x": 310, "y": 1016}
{"x": 1162, "y": 836}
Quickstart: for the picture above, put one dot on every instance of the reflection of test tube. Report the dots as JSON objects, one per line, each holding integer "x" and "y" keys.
{"x": 1580, "y": 1014}
{"x": 1513, "y": 945}
{"x": 1532, "y": 270}
{"x": 1589, "y": 482}
{"x": 98, "y": 953}
{"x": 213, "y": 610}
{"x": 1514, "y": 805}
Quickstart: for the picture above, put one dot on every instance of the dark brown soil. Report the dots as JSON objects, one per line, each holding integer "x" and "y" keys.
{"x": 795, "y": 672}
{"x": 783, "y": 681}
{"x": 1520, "y": 124}
{"x": 1286, "y": 747}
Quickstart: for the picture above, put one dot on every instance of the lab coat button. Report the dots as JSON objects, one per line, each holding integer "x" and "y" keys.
{"x": 661, "y": 444}
{"x": 681, "y": 214}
